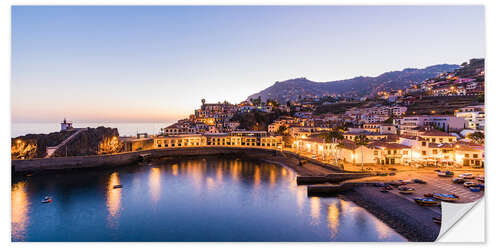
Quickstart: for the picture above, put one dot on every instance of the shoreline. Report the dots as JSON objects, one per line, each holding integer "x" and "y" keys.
{"x": 407, "y": 218}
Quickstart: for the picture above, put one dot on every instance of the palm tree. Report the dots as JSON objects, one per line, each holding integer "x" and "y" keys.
{"x": 332, "y": 137}
{"x": 361, "y": 141}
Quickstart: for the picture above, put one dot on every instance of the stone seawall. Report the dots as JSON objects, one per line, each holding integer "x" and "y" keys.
{"x": 113, "y": 160}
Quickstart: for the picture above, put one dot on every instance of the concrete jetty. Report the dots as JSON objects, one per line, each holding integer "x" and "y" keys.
{"x": 330, "y": 178}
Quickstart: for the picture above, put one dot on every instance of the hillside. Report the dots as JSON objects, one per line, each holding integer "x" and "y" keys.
{"x": 294, "y": 89}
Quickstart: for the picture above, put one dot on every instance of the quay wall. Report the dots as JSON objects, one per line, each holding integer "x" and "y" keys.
{"x": 113, "y": 160}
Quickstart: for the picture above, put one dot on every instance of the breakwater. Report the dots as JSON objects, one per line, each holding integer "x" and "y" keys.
{"x": 120, "y": 159}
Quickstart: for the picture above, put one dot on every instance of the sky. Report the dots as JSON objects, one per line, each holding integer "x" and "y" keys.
{"x": 156, "y": 63}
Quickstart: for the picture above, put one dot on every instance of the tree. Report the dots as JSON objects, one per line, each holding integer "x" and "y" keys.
{"x": 282, "y": 129}
{"x": 476, "y": 137}
{"x": 333, "y": 136}
{"x": 390, "y": 120}
{"x": 361, "y": 141}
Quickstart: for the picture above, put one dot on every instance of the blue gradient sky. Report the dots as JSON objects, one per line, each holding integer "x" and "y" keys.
{"x": 125, "y": 64}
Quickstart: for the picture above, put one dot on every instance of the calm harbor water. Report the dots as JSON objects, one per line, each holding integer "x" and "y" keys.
{"x": 125, "y": 129}
{"x": 197, "y": 199}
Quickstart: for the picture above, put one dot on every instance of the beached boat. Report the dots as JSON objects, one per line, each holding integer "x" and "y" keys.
{"x": 383, "y": 190}
{"x": 47, "y": 199}
{"x": 480, "y": 178}
{"x": 466, "y": 176}
{"x": 445, "y": 197}
{"x": 428, "y": 195}
{"x": 475, "y": 189}
{"x": 445, "y": 174}
{"x": 406, "y": 190}
{"x": 426, "y": 201}
{"x": 458, "y": 181}
{"x": 404, "y": 182}
{"x": 470, "y": 184}
{"x": 419, "y": 181}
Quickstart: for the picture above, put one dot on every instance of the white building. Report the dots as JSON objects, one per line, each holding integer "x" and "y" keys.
{"x": 447, "y": 123}
{"x": 473, "y": 115}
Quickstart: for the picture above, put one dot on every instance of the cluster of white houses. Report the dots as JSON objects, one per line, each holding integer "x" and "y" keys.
{"x": 427, "y": 148}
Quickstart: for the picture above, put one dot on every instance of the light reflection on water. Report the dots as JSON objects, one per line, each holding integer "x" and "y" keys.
{"x": 187, "y": 200}
{"x": 20, "y": 206}
{"x": 155, "y": 184}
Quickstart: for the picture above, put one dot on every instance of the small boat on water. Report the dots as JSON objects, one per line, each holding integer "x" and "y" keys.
{"x": 383, "y": 190}
{"x": 445, "y": 174}
{"x": 426, "y": 201}
{"x": 458, "y": 180}
{"x": 47, "y": 199}
{"x": 475, "y": 189}
{"x": 445, "y": 197}
{"x": 118, "y": 186}
{"x": 437, "y": 220}
{"x": 406, "y": 190}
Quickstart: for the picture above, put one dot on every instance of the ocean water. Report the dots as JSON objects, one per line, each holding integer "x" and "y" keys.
{"x": 125, "y": 129}
{"x": 190, "y": 199}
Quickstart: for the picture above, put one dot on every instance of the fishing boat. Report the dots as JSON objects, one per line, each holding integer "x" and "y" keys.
{"x": 426, "y": 201}
{"x": 47, "y": 199}
{"x": 466, "y": 176}
{"x": 406, "y": 190}
{"x": 419, "y": 181}
{"x": 118, "y": 186}
{"x": 445, "y": 197}
{"x": 470, "y": 184}
{"x": 445, "y": 174}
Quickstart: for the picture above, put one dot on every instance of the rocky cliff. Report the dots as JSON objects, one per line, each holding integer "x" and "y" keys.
{"x": 93, "y": 141}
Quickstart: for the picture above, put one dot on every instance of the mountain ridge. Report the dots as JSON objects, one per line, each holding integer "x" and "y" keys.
{"x": 293, "y": 89}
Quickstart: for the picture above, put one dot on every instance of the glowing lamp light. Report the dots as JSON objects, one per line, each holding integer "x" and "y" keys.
{"x": 18, "y": 141}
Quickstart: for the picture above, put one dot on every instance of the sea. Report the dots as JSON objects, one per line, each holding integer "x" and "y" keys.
{"x": 124, "y": 128}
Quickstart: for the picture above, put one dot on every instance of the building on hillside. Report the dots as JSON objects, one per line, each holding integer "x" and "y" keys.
{"x": 444, "y": 122}
{"x": 473, "y": 115}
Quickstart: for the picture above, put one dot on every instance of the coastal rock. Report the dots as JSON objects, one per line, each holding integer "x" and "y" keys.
{"x": 92, "y": 141}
